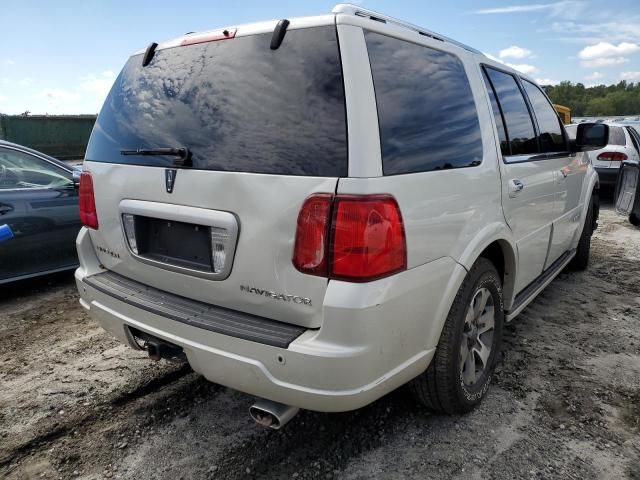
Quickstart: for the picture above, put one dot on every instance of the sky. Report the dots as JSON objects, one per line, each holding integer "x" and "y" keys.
{"x": 62, "y": 56}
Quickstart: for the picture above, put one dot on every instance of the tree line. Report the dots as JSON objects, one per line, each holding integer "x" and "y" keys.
{"x": 601, "y": 100}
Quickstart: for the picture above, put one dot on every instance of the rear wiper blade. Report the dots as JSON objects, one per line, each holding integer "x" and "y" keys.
{"x": 183, "y": 154}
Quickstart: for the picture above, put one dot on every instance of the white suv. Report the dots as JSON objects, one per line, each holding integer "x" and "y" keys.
{"x": 318, "y": 211}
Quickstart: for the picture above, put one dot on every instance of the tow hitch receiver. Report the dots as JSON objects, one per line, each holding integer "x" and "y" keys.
{"x": 160, "y": 349}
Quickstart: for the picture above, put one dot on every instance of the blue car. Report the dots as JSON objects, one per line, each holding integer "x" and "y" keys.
{"x": 39, "y": 204}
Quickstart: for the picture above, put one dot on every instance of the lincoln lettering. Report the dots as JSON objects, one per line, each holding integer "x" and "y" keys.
{"x": 276, "y": 296}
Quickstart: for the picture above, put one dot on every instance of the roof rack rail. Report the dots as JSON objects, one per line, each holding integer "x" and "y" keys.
{"x": 349, "y": 9}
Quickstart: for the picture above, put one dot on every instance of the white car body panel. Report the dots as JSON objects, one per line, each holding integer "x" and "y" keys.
{"x": 265, "y": 244}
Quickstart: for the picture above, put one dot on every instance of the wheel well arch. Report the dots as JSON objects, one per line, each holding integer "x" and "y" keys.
{"x": 503, "y": 257}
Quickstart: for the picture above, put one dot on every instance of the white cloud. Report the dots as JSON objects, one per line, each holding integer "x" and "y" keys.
{"x": 56, "y": 94}
{"x": 9, "y": 61}
{"x": 26, "y": 82}
{"x": 630, "y": 76}
{"x": 565, "y": 8}
{"x": 523, "y": 68}
{"x": 3, "y": 99}
{"x": 515, "y": 52}
{"x": 594, "y": 76}
{"x": 98, "y": 84}
{"x": 491, "y": 57}
{"x": 513, "y": 9}
{"x": 605, "y": 49}
{"x": 603, "y": 62}
{"x": 547, "y": 81}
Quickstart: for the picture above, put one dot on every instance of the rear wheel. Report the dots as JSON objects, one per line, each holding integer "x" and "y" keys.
{"x": 460, "y": 373}
{"x": 581, "y": 260}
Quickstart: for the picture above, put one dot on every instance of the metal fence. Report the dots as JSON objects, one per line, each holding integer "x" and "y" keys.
{"x": 61, "y": 136}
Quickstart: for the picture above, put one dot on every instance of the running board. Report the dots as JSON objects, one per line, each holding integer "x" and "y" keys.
{"x": 532, "y": 290}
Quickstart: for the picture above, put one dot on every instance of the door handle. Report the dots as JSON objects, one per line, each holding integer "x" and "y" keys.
{"x": 5, "y": 209}
{"x": 515, "y": 187}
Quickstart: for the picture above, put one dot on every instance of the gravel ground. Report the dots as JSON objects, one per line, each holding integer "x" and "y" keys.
{"x": 565, "y": 401}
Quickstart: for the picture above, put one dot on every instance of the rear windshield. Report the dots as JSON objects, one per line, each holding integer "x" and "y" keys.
{"x": 235, "y": 104}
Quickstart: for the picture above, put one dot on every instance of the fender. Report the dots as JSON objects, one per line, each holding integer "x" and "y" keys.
{"x": 495, "y": 232}
{"x": 591, "y": 182}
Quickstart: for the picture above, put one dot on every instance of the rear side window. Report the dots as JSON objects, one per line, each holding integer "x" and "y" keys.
{"x": 497, "y": 114}
{"x": 235, "y": 104}
{"x": 616, "y": 136}
{"x": 522, "y": 136}
{"x": 427, "y": 115}
{"x": 550, "y": 137}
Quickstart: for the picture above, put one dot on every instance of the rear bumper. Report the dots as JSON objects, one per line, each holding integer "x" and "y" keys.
{"x": 374, "y": 338}
{"x": 607, "y": 176}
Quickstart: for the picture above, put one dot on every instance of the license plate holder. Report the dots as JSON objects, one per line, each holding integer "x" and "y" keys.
{"x": 175, "y": 243}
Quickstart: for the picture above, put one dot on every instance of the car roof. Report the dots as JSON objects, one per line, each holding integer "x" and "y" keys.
{"x": 346, "y": 13}
{"x": 4, "y": 143}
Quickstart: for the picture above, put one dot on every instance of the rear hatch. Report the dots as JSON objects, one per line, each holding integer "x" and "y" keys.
{"x": 251, "y": 132}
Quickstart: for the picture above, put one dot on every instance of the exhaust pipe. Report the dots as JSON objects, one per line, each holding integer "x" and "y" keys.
{"x": 272, "y": 414}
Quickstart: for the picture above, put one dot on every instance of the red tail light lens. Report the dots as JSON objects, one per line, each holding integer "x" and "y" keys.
{"x": 88, "y": 213}
{"x": 312, "y": 235}
{"x": 612, "y": 156}
{"x": 367, "y": 239}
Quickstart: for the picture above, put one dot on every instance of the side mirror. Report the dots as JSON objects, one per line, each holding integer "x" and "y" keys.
{"x": 591, "y": 136}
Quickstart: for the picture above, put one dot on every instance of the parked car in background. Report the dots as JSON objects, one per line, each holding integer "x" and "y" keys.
{"x": 607, "y": 160}
{"x": 627, "y": 196}
{"x": 39, "y": 203}
{"x": 319, "y": 238}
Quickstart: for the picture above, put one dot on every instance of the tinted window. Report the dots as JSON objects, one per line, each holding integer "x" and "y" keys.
{"x": 497, "y": 114}
{"x": 20, "y": 170}
{"x": 551, "y": 138}
{"x": 236, "y": 104}
{"x": 428, "y": 119}
{"x": 522, "y": 136}
{"x": 616, "y": 136}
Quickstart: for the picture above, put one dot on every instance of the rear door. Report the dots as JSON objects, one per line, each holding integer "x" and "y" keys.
{"x": 528, "y": 183}
{"x": 569, "y": 172}
{"x": 264, "y": 128}
{"x": 39, "y": 202}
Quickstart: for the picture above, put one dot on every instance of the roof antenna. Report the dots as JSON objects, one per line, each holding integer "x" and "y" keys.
{"x": 148, "y": 55}
{"x": 279, "y": 33}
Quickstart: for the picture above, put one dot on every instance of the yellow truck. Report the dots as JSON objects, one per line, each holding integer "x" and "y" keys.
{"x": 564, "y": 112}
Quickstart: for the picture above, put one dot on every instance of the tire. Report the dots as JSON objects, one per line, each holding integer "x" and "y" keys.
{"x": 452, "y": 383}
{"x": 581, "y": 260}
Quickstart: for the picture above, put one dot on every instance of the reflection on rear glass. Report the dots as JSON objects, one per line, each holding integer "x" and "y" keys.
{"x": 236, "y": 104}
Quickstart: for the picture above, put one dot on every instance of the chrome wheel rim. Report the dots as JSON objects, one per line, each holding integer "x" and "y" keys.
{"x": 477, "y": 336}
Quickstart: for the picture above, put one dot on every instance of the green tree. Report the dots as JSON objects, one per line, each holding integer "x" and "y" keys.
{"x": 599, "y": 100}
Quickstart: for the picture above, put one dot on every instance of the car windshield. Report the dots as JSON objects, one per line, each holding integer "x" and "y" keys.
{"x": 236, "y": 104}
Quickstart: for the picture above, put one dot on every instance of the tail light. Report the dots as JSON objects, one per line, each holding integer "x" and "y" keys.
{"x": 357, "y": 238}
{"x": 88, "y": 213}
{"x": 312, "y": 235}
{"x": 612, "y": 156}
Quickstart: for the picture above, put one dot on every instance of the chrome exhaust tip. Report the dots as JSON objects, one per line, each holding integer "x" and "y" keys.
{"x": 273, "y": 415}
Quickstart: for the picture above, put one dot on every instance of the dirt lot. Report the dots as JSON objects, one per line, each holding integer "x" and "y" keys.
{"x": 565, "y": 402}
